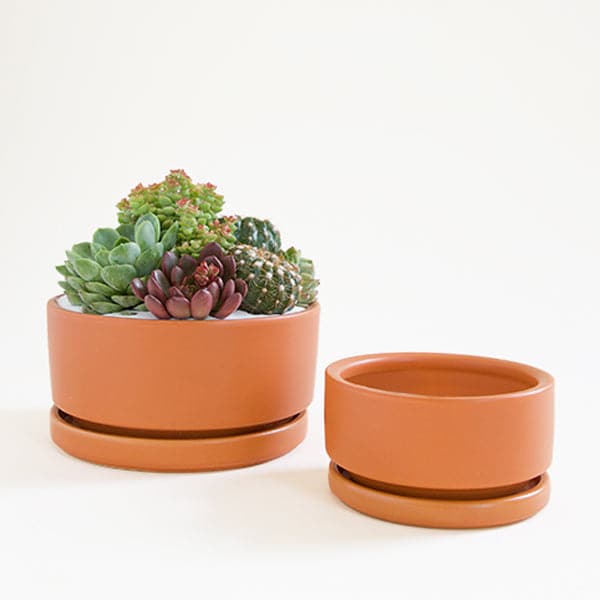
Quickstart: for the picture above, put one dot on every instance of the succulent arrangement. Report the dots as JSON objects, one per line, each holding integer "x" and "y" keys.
{"x": 175, "y": 255}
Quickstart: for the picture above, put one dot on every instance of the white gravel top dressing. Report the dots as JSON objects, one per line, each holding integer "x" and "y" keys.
{"x": 63, "y": 302}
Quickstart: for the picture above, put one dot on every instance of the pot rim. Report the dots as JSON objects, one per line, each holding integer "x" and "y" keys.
{"x": 338, "y": 372}
{"x": 178, "y": 322}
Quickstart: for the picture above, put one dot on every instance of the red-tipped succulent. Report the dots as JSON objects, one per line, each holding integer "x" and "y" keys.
{"x": 190, "y": 287}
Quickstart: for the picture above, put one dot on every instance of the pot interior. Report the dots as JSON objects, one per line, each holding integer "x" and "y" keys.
{"x": 441, "y": 377}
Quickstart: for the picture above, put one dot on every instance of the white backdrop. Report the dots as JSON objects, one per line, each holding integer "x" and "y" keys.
{"x": 439, "y": 161}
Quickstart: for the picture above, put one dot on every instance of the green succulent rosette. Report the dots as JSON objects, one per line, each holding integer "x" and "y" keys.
{"x": 97, "y": 274}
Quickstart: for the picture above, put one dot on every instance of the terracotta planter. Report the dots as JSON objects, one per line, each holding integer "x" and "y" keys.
{"x": 180, "y": 395}
{"x": 439, "y": 440}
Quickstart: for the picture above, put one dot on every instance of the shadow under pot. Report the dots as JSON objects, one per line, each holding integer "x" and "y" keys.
{"x": 180, "y": 395}
{"x": 439, "y": 440}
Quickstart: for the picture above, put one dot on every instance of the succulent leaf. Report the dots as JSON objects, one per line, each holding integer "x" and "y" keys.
{"x": 156, "y": 307}
{"x": 201, "y": 304}
{"x": 156, "y": 289}
{"x": 82, "y": 249}
{"x": 241, "y": 287}
{"x": 215, "y": 289}
{"x": 188, "y": 264}
{"x": 118, "y": 276}
{"x": 127, "y": 231}
{"x": 161, "y": 279}
{"x": 103, "y": 308}
{"x": 89, "y": 297}
{"x": 125, "y": 301}
{"x": 153, "y": 220}
{"x": 139, "y": 289}
{"x": 62, "y": 269}
{"x": 168, "y": 261}
{"x": 228, "y": 266}
{"x": 179, "y": 307}
{"x": 230, "y": 305}
{"x": 146, "y": 262}
{"x": 106, "y": 237}
{"x": 74, "y": 298}
{"x": 76, "y": 283}
{"x": 169, "y": 239}
{"x": 102, "y": 257}
{"x": 159, "y": 247}
{"x": 211, "y": 250}
{"x": 228, "y": 289}
{"x": 86, "y": 268}
{"x": 95, "y": 248}
{"x": 124, "y": 254}
{"x": 98, "y": 287}
{"x": 177, "y": 275}
{"x": 144, "y": 234}
{"x": 121, "y": 240}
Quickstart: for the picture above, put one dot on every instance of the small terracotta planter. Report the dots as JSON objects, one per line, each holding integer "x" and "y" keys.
{"x": 439, "y": 440}
{"x": 180, "y": 395}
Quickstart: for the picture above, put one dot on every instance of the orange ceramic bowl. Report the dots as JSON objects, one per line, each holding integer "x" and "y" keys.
{"x": 152, "y": 380}
{"x": 439, "y": 426}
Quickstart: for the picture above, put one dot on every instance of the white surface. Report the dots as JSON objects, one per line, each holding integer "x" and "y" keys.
{"x": 440, "y": 163}
{"x": 63, "y": 302}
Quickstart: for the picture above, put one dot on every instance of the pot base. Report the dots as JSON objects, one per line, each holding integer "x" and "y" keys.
{"x": 177, "y": 453}
{"x": 445, "y": 513}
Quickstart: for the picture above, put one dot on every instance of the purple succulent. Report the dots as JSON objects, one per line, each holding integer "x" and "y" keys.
{"x": 186, "y": 287}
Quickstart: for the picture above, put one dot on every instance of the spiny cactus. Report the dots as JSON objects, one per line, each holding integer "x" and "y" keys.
{"x": 176, "y": 199}
{"x": 273, "y": 283}
{"x": 258, "y": 233}
{"x": 306, "y": 267}
{"x": 187, "y": 287}
{"x": 263, "y": 234}
{"x": 98, "y": 273}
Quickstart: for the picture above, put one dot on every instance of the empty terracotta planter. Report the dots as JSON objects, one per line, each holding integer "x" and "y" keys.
{"x": 180, "y": 395}
{"x": 439, "y": 440}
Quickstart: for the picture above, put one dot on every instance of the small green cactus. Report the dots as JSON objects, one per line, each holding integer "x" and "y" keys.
{"x": 258, "y": 233}
{"x": 263, "y": 234}
{"x": 273, "y": 283}
{"x": 97, "y": 274}
{"x": 176, "y": 199}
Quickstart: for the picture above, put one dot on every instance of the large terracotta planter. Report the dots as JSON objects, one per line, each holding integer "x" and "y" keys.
{"x": 439, "y": 440}
{"x": 180, "y": 395}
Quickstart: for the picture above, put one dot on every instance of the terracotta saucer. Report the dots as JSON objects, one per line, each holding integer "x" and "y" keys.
{"x": 453, "y": 512}
{"x": 176, "y": 451}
